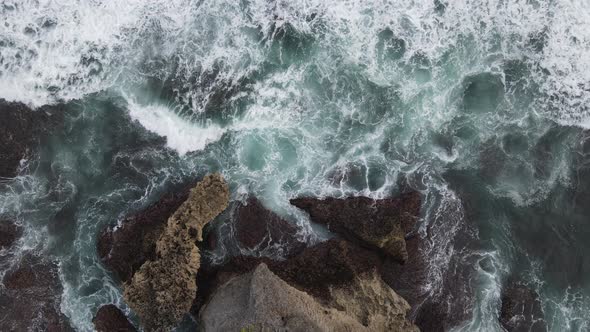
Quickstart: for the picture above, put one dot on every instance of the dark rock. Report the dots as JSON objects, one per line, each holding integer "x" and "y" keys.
{"x": 380, "y": 224}
{"x": 31, "y": 298}
{"x": 438, "y": 288}
{"x": 521, "y": 309}
{"x": 125, "y": 248}
{"x": 9, "y": 232}
{"x": 259, "y": 229}
{"x": 331, "y": 263}
{"x": 334, "y": 262}
{"x": 109, "y": 318}
{"x": 21, "y": 128}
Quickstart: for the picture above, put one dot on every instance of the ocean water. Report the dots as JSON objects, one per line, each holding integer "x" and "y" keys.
{"x": 483, "y": 106}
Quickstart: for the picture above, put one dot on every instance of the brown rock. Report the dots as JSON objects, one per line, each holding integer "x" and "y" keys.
{"x": 162, "y": 291}
{"x": 125, "y": 248}
{"x": 378, "y": 223}
{"x": 31, "y": 297}
{"x": 521, "y": 309}
{"x": 373, "y": 303}
{"x": 316, "y": 269}
{"x": 9, "y": 233}
{"x": 261, "y": 301}
{"x": 259, "y": 229}
{"x": 109, "y": 318}
{"x": 334, "y": 262}
{"x": 20, "y": 129}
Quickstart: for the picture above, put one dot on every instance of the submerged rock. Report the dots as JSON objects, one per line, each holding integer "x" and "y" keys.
{"x": 162, "y": 291}
{"x": 21, "y": 128}
{"x": 377, "y": 223}
{"x": 521, "y": 309}
{"x": 259, "y": 229}
{"x": 261, "y": 301}
{"x": 9, "y": 233}
{"x": 31, "y": 297}
{"x": 109, "y": 318}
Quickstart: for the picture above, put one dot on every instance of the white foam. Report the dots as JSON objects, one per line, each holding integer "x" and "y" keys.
{"x": 181, "y": 134}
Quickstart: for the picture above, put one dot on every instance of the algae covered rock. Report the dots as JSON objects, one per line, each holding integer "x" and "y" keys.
{"x": 162, "y": 291}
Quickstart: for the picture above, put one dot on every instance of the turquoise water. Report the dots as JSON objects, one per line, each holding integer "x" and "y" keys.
{"x": 483, "y": 107}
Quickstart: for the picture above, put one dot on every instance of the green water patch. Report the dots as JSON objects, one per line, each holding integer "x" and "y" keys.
{"x": 482, "y": 93}
{"x": 389, "y": 46}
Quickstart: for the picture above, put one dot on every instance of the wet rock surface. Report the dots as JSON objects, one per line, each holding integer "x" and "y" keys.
{"x": 109, "y": 318}
{"x": 521, "y": 309}
{"x": 21, "y": 129}
{"x": 331, "y": 263}
{"x": 377, "y": 223}
{"x": 259, "y": 229}
{"x": 31, "y": 297}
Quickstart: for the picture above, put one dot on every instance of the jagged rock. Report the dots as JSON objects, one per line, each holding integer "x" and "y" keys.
{"x": 331, "y": 263}
{"x": 125, "y": 248}
{"x": 373, "y": 303}
{"x": 521, "y": 309}
{"x": 261, "y": 301}
{"x": 9, "y": 233}
{"x": 31, "y": 297}
{"x": 257, "y": 228}
{"x": 20, "y": 129}
{"x": 378, "y": 223}
{"x": 109, "y": 318}
{"x": 451, "y": 304}
{"x": 162, "y": 291}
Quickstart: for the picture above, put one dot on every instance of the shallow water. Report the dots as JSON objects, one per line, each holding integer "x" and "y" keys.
{"x": 481, "y": 106}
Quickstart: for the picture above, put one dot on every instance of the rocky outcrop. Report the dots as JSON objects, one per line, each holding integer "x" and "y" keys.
{"x": 21, "y": 129}
{"x": 521, "y": 309}
{"x": 9, "y": 233}
{"x": 31, "y": 297}
{"x": 331, "y": 263}
{"x": 261, "y": 301}
{"x": 258, "y": 229}
{"x": 109, "y": 318}
{"x": 162, "y": 291}
{"x": 373, "y": 303}
{"x": 377, "y": 223}
{"x": 123, "y": 249}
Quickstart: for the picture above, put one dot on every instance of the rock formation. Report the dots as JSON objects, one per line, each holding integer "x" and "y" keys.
{"x": 521, "y": 309}
{"x": 258, "y": 229}
{"x": 109, "y": 318}
{"x": 378, "y": 223}
{"x": 331, "y": 263}
{"x": 162, "y": 291}
{"x": 31, "y": 297}
{"x": 123, "y": 249}
{"x": 261, "y": 301}
{"x": 20, "y": 129}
